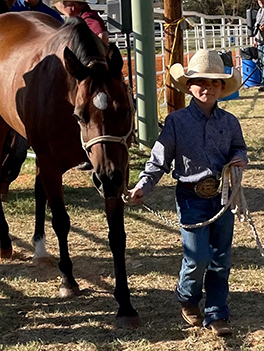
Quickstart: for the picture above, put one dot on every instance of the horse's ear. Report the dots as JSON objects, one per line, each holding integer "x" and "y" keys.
{"x": 114, "y": 59}
{"x": 74, "y": 66}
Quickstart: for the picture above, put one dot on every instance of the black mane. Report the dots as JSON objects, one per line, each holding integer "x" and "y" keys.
{"x": 81, "y": 40}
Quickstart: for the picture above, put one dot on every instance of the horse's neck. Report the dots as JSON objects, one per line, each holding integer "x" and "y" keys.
{"x": 53, "y": 46}
{"x": 102, "y": 46}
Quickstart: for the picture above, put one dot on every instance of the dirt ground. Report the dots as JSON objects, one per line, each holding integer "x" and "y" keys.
{"x": 34, "y": 318}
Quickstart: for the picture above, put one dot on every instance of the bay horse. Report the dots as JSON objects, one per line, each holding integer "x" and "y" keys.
{"x": 62, "y": 89}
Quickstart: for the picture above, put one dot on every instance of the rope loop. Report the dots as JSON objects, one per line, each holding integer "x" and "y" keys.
{"x": 231, "y": 177}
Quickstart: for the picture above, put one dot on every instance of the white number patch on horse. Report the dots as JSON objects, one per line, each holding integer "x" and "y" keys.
{"x": 100, "y": 101}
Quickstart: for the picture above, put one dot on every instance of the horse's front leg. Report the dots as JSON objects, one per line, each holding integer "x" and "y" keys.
{"x": 127, "y": 316}
{"x": 5, "y": 241}
{"x": 41, "y": 257}
{"x": 52, "y": 183}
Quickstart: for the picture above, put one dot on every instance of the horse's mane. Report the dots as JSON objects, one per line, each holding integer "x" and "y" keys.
{"x": 81, "y": 39}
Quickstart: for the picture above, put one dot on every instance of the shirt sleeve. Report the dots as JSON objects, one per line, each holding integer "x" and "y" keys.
{"x": 161, "y": 157}
{"x": 94, "y": 22}
{"x": 49, "y": 11}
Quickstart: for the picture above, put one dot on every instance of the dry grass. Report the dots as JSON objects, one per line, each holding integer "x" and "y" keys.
{"x": 33, "y": 317}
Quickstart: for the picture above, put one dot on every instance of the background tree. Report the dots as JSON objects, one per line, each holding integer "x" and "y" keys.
{"x": 223, "y": 7}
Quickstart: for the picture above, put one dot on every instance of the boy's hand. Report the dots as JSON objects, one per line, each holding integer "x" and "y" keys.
{"x": 238, "y": 162}
{"x": 261, "y": 27}
{"x": 136, "y": 195}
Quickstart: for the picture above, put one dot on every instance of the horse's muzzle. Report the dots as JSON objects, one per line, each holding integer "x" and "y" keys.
{"x": 109, "y": 185}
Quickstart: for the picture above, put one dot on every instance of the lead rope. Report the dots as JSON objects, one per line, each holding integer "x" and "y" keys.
{"x": 231, "y": 176}
{"x": 240, "y": 208}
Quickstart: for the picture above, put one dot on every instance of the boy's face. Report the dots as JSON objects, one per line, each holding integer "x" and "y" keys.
{"x": 207, "y": 91}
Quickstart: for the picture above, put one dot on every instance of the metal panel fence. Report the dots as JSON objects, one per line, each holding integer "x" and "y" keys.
{"x": 222, "y": 33}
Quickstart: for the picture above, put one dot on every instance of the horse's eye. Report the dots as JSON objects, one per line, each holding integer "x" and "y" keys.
{"x": 79, "y": 119}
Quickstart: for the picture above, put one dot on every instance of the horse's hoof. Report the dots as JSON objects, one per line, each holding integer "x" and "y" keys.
{"x": 69, "y": 292}
{"x": 6, "y": 253}
{"x": 132, "y": 322}
{"x": 42, "y": 262}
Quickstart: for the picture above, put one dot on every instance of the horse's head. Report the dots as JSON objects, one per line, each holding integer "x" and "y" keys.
{"x": 104, "y": 111}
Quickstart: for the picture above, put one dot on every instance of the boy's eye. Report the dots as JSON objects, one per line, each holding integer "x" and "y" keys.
{"x": 216, "y": 81}
{"x": 198, "y": 81}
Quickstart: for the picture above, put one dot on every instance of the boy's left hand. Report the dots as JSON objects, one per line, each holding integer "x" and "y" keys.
{"x": 238, "y": 162}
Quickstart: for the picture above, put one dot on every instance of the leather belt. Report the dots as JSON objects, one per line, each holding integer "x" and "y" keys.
{"x": 187, "y": 185}
{"x": 206, "y": 188}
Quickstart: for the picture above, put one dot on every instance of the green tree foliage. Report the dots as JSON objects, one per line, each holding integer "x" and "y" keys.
{"x": 220, "y": 7}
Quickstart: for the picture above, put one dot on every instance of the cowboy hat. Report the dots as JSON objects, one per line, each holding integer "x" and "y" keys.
{"x": 205, "y": 64}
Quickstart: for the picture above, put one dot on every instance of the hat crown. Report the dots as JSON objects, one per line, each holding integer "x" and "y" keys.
{"x": 206, "y": 61}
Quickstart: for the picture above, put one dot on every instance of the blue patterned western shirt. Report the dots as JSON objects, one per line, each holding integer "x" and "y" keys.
{"x": 197, "y": 145}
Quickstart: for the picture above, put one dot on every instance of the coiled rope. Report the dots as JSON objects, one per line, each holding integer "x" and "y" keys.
{"x": 231, "y": 178}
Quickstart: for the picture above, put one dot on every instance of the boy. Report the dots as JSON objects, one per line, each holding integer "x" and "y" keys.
{"x": 201, "y": 139}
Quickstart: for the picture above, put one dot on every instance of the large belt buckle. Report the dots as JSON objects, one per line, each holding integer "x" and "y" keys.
{"x": 207, "y": 188}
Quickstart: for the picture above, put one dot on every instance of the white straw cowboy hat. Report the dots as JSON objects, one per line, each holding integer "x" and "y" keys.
{"x": 205, "y": 64}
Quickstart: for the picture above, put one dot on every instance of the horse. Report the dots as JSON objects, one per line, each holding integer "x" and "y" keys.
{"x": 62, "y": 89}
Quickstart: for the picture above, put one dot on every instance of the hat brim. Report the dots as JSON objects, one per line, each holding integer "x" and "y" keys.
{"x": 179, "y": 79}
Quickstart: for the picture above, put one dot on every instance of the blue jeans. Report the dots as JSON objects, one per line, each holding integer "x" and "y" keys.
{"x": 261, "y": 63}
{"x": 206, "y": 254}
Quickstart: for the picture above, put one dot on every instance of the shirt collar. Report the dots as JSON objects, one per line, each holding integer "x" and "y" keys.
{"x": 198, "y": 113}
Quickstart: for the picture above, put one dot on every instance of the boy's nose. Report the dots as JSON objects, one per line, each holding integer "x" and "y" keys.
{"x": 208, "y": 85}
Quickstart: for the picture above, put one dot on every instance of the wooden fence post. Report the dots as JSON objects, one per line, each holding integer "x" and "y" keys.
{"x": 172, "y": 12}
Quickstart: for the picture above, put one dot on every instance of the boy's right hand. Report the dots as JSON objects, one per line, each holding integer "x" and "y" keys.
{"x": 136, "y": 195}
{"x": 261, "y": 27}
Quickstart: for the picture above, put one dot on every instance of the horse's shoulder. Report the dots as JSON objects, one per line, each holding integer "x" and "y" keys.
{"x": 21, "y": 21}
